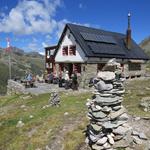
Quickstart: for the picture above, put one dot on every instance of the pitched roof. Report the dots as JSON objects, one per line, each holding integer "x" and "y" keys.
{"x": 106, "y": 44}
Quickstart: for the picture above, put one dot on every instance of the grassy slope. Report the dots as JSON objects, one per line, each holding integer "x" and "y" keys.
{"x": 52, "y": 119}
{"x": 3, "y": 77}
{"x": 21, "y": 63}
{"x": 49, "y": 119}
{"x": 145, "y": 44}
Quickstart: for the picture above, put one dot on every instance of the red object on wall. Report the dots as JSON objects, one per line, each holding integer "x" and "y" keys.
{"x": 65, "y": 50}
{"x": 72, "y": 50}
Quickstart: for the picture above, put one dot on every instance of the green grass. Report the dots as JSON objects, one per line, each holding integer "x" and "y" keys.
{"x": 51, "y": 118}
{"x": 74, "y": 139}
{"x": 135, "y": 91}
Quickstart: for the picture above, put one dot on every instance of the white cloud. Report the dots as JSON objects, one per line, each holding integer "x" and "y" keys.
{"x": 42, "y": 53}
{"x": 44, "y": 44}
{"x": 31, "y": 17}
{"x": 48, "y": 37}
{"x": 60, "y": 27}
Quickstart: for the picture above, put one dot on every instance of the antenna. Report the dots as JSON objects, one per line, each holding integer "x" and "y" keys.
{"x": 129, "y": 16}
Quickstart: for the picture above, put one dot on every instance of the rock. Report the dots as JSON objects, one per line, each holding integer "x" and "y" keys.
{"x": 142, "y": 136}
{"x": 120, "y": 130}
{"x": 116, "y": 107}
{"x": 110, "y": 139}
{"x": 31, "y": 116}
{"x": 116, "y": 114}
{"x": 107, "y": 146}
{"x": 26, "y": 97}
{"x": 110, "y": 125}
{"x": 121, "y": 144}
{"x": 98, "y": 107}
{"x": 106, "y": 75}
{"x": 20, "y": 124}
{"x": 31, "y": 132}
{"x": 88, "y": 104}
{"x": 105, "y": 100}
{"x": 99, "y": 114}
{"x": 124, "y": 116}
{"x": 137, "y": 118}
{"x": 102, "y": 86}
{"x": 87, "y": 141}
{"x": 137, "y": 140}
{"x": 22, "y": 106}
{"x": 93, "y": 138}
{"x": 118, "y": 137}
{"x": 97, "y": 147}
{"x": 66, "y": 113}
{"x": 102, "y": 141}
{"x": 47, "y": 148}
{"x": 48, "y": 132}
{"x": 135, "y": 133}
{"x": 106, "y": 109}
{"x": 96, "y": 127}
{"x": 94, "y": 108}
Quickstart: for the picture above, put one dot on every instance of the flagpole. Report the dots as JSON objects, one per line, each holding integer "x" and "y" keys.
{"x": 9, "y": 66}
{"x": 9, "y": 56}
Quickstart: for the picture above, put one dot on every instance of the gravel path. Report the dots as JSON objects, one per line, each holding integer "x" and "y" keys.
{"x": 42, "y": 88}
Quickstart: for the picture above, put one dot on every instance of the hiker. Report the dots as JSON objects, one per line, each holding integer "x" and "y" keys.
{"x": 51, "y": 77}
{"x": 66, "y": 77}
{"x": 60, "y": 81}
{"x": 74, "y": 81}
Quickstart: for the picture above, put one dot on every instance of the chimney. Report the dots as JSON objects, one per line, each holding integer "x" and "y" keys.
{"x": 128, "y": 34}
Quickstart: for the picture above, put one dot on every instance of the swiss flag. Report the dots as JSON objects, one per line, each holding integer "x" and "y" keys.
{"x": 8, "y": 49}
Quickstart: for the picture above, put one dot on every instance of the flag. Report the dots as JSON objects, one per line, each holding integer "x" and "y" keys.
{"x": 8, "y": 49}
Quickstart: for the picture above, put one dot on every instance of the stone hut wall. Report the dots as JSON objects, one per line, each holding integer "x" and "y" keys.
{"x": 134, "y": 73}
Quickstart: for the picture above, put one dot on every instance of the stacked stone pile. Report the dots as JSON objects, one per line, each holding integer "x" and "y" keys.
{"x": 54, "y": 99}
{"x": 108, "y": 126}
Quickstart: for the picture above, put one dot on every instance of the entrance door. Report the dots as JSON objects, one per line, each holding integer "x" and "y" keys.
{"x": 70, "y": 69}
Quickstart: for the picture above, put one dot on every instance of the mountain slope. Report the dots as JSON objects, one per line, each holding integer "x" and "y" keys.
{"x": 145, "y": 45}
{"x": 21, "y": 62}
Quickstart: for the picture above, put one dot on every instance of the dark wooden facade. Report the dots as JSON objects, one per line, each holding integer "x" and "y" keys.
{"x": 50, "y": 59}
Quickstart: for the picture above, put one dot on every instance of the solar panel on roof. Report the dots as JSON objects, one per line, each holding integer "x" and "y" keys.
{"x": 103, "y": 48}
{"x": 98, "y": 38}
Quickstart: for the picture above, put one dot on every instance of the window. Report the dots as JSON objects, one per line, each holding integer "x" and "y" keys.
{"x": 65, "y": 50}
{"x": 134, "y": 66}
{"x": 72, "y": 50}
{"x": 77, "y": 67}
{"x": 100, "y": 66}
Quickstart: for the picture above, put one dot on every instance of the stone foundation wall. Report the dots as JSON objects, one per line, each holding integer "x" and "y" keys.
{"x": 88, "y": 71}
{"x": 134, "y": 73}
{"x": 14, "y": 87}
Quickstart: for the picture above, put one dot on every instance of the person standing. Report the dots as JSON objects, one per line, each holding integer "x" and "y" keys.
{"x": 66, "y": 80}
{"x": 74, "y": 81}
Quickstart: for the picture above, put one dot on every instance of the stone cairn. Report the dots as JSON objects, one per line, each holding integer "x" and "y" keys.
{"x": 54, "y": 99}
{"x": 108, "y": 128}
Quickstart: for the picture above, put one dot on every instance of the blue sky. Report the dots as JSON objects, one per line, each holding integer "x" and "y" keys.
{"x": 33, "y": 24}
